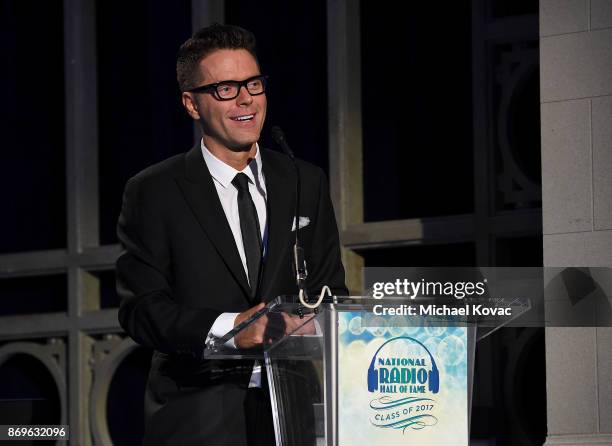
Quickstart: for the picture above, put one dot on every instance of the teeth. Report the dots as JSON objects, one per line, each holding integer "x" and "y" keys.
{"x": 243, "y": 118}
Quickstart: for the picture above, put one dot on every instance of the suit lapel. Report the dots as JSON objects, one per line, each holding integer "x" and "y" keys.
{"x": 280, "y": 188}
{"x": 201, "y": 195}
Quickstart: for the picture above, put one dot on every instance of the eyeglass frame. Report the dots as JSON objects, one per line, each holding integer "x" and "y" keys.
{"x": 212, "y": 88}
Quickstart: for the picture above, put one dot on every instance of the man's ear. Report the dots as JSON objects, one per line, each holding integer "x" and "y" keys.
{"x": 190, "y": 105}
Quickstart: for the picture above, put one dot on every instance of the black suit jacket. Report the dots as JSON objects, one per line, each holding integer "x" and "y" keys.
{"x": 180, "y": 270}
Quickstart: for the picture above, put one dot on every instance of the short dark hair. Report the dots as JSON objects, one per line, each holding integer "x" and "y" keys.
{"x": 204, "y": 42}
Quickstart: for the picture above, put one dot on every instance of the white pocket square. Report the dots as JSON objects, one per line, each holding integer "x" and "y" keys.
{"x": 304, "y": 221}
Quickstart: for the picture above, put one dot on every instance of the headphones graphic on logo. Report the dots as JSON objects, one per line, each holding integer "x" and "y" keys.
{"x": 433, "y": 375}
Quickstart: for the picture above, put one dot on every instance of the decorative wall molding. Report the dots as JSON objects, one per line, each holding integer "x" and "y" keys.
{"x": 582, "y": 440}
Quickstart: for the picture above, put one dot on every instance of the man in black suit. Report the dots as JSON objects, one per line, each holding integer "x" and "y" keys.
{"x": 207, "y": 238}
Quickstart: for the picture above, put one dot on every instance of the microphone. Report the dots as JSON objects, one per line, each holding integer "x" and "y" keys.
{"x": 299, "y": 262}
{"x": 279, "y": 136}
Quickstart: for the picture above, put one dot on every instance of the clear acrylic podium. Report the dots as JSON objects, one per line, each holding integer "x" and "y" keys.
{"x": 302, "y": 357}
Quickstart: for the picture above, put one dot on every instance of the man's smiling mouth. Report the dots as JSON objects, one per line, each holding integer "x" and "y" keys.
{"x": 242, "y": 118}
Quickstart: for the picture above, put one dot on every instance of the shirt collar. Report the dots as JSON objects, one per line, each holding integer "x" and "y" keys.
{"x": 224, "y": 173}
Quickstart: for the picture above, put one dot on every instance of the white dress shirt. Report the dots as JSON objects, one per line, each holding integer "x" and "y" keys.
{"x": 222, "y": 175}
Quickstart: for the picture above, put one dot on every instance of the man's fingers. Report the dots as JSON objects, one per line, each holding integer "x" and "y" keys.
{"x": 255, "y": 309}
{"x": 248, "y": 313}
{"x": 305, "y": 324}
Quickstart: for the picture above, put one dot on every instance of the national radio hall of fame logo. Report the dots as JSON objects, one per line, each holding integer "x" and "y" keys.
{"x": 404, "y": 378}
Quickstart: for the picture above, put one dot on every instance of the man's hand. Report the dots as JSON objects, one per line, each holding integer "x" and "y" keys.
{"x": 270, "y": 327}
{"x": 292, "y": 322}
{"x": 253, "y": 335}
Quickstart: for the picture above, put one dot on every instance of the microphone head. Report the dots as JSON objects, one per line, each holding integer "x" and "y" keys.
{"x": 279, "y": 138}
{"x": 278, "y": 135}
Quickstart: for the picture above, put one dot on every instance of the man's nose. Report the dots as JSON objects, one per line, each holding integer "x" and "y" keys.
{"x": 244, "y": 97}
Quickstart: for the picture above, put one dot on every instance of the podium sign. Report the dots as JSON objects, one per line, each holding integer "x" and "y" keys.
{"x": 400, "y": 384}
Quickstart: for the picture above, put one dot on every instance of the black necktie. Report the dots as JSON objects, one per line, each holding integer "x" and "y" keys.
{"x": 249, "y": 226}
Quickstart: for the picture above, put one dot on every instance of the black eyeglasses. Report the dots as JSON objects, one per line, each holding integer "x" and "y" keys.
{"x": 228, "y": 90}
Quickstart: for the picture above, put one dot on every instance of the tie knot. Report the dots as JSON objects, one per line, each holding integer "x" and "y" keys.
{"x": 241, "y": 181}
